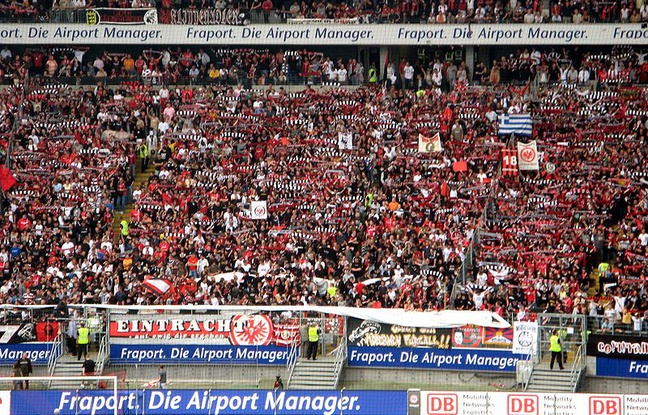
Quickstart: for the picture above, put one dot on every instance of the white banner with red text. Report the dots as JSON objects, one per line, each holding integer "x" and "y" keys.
{"x": 513, "y": 403}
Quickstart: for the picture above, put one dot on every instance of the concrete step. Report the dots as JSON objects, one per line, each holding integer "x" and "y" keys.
{"x": 318, "y": 370}
{"x": 311, "y": 386}
{"x": 551, "y": 380}
{"x": 72, "y": 385}
{"x": 309, "y": 378}
{"x": 549, "y": 388}
{"x": 314, "y": 364}
{"x": 314, "y": 374}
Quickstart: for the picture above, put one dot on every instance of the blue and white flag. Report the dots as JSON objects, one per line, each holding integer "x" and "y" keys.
{"x": 518, "y": 124}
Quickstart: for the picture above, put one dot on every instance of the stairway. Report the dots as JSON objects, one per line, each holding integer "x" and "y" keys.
{"x": 67, "y": 365}
{"x": 543, "y": 379}
{"x": 314, "y": 374}
{"x": 140, "y": 178}
{"x": 554, "y": 381}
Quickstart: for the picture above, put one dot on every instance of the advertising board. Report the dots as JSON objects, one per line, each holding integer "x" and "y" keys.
{"x": 480, "y": 360}
{"x": 373, "y": 344}
{"x": 513, "y": 403}
{"x": 197, "y": 354}
{"x": 38, "y": 353}
{"x": 214, "y": 402}
{"x": 617, "y": 346}
{"x": 325, "y": 34}
{"x": 622, "y": 368}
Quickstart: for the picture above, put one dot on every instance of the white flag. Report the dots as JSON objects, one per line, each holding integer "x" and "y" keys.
{"x": 525, "y": 337}
{"x": 528, "y": 156}
{"x": 259, "y": 209}
{"x": 345, "y": 141}
{"x": 430, "y": 144}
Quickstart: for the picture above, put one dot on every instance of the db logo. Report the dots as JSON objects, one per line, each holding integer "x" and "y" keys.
{"x": 522, "y": 405}
{"x": 604, "y": 405}
{"x": 442, "y": 404}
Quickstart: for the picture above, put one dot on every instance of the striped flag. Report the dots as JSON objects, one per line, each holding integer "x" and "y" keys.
{"x": 509, "y": 162}
{"x": 160, "y": 286}
{"x": 518, "y": 124}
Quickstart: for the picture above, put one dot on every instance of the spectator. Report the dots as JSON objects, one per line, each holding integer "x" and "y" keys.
{"x": 267, "y": 7}
{"x": 24, "y": 364}
{"x": 162, "y": 377}
{"x": 88, "y": 367}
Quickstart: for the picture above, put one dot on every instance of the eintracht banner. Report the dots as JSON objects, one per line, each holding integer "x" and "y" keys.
{"x": 528, "y": 156}
{"x": 430, "y": 144}
{"x": 259, "y": 209}
{"x": 525, "y": 337}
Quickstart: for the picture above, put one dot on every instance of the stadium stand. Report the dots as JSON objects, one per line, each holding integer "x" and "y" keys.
{"x": 357, "y": 212}
{"x": 415, "y": 11}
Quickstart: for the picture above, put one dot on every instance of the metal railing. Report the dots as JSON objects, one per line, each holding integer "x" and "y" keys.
{"x": 56, "y": 352}
{"x": 528, "y": 378}
{"x": 340, "y": 358}
{"x": 577, "y": 368}
{"x": 291, "y": 360}
{"x": 102, "y": 355}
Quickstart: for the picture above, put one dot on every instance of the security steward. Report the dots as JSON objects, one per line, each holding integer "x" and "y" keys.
{"x": 313, "y": 341}
{"x": 83, "y": 341}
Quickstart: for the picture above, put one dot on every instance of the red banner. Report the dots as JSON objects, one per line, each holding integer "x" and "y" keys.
{"x": 240, "y": 329}
{"x": 467, "y": 336}
{"x": 46, "y": 332}
{"x": 509, "y": 162}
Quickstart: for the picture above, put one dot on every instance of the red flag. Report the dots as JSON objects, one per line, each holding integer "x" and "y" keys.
{"x": 46, "y": 331}
{"x": 509, "y": 162}
{"x": 7, "y": 180}
{"x": 459, "y": 166}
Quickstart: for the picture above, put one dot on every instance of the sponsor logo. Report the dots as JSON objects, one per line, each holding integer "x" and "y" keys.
{"x": 604, "y": 405}
{"x": 442, "y": 404}
{"x": 522, "y": 405}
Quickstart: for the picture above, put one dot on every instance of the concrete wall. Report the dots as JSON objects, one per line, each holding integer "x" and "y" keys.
{"x": 262, "y": 377}
{"x": 202, "y": 376}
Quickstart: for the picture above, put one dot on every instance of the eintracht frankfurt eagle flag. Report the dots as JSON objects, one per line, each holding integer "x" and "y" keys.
{"x": 527, "y": 156}
{"x": 430, "y": 144}
{"x": 518, "y": 124}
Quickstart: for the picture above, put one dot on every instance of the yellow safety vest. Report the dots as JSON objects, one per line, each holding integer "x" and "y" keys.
{"x": 313, "y": 335}
{"x": 84, "y": 335}
{"x": 373, "y": 76}
{"x": 124, "y": 228}
{"x": 555, "y": 343}
{"x": 331, "y": 291}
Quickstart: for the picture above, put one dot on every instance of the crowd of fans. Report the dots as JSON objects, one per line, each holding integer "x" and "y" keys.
{"x": 262, "y": 67}
{"x": 357, "y": 215}
{"x": 410, "y": 11}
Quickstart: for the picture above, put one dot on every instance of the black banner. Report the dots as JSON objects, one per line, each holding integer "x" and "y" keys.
{"x": 615, "y": 346}
{"x": 364, "y": 333}
{"x": 230, "y": 17}
{"x": 17, "y": 333}
{"x": 121, "y": 16}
